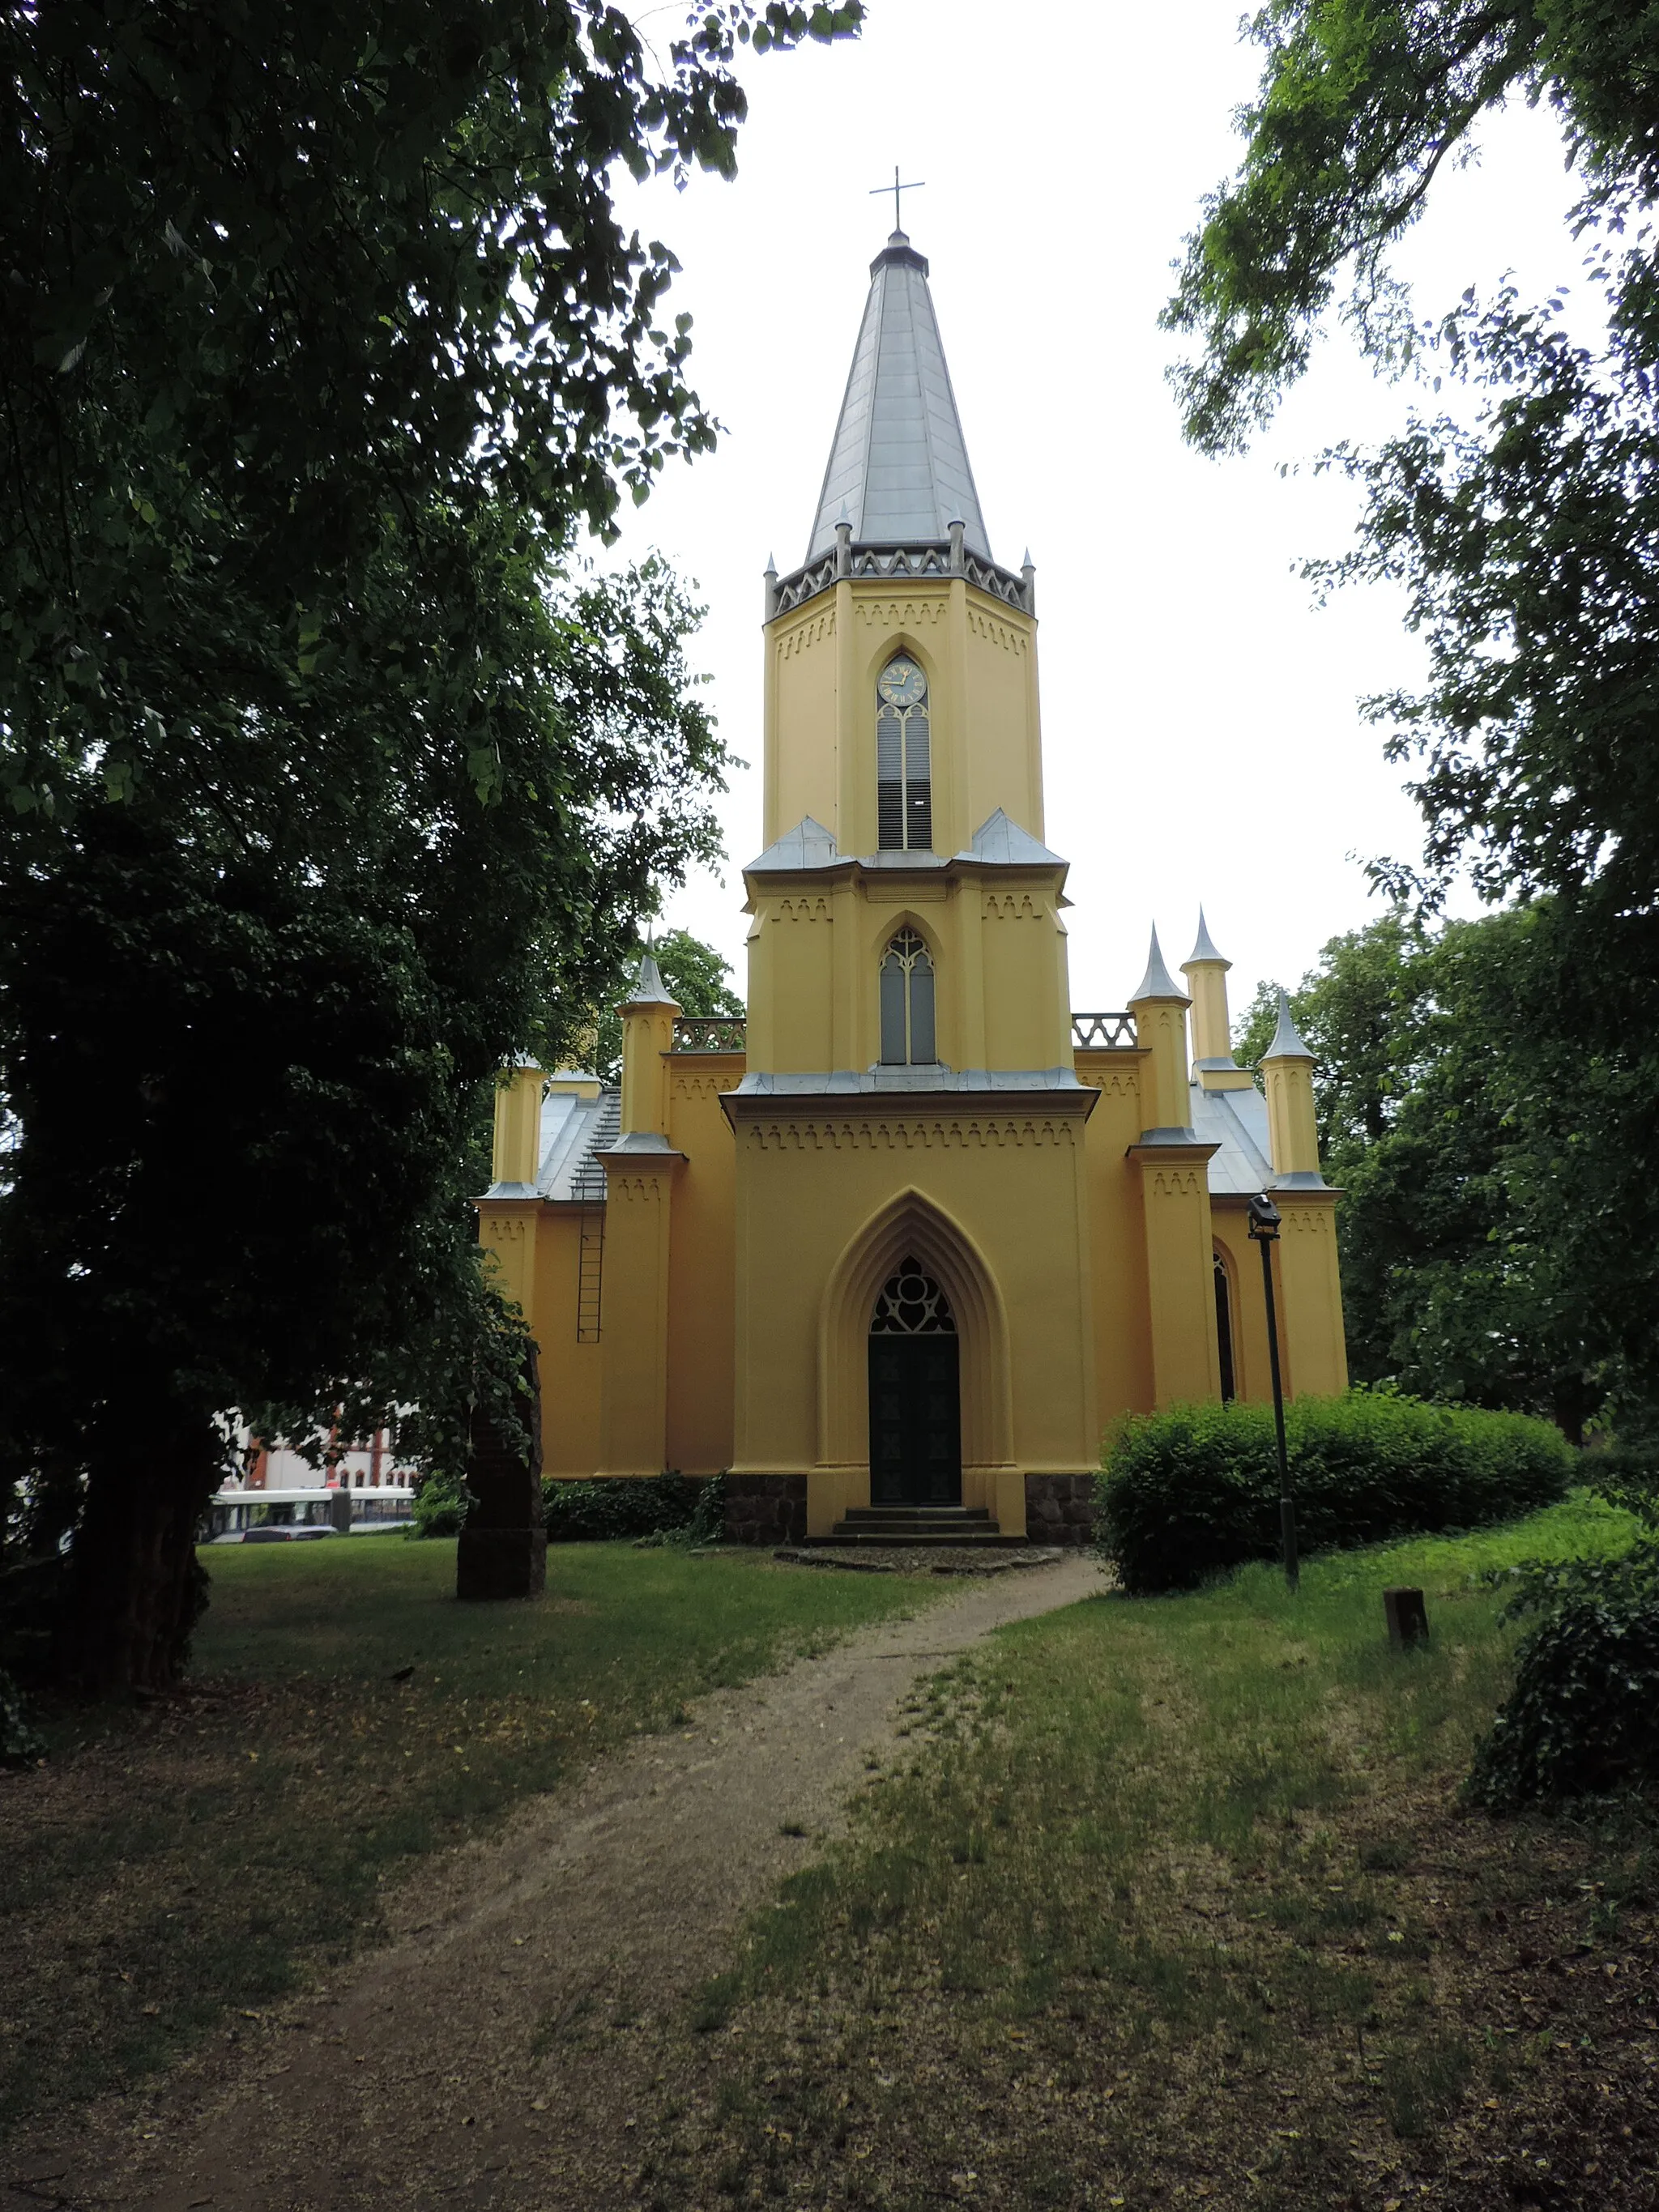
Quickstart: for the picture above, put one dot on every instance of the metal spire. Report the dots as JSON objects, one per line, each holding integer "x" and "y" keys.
{"x": 1204, "y": 949}
{"x": 1158, "y": 982}
{"x": 1288, "y": 1042}
{"x": 898, "y": 465}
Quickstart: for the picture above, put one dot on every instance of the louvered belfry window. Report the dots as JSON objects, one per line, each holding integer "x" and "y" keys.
{"x": 904, "y": 797}
{"x": 907, "y": 1002}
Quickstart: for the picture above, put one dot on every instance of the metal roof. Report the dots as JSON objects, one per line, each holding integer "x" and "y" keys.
{"x": 1237, "y": 1120}
{"x": 898, "y": 468}
{"x": 808, "y": 845}
{"x": 844, "y": 1082}
{"x": 1004, "y": 844}
{"x": 573, "y": 1128}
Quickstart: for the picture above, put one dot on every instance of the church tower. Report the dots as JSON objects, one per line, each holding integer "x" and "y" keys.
{"x": 894, "y": 1251}
{"x": 910, "y": 1094}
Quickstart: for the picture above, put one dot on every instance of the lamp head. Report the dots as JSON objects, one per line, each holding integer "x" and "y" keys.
{"x": 1265, "y": 1218}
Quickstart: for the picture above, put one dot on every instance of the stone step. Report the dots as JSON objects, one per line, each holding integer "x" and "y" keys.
{"x": 935, "y": 1516}
{"x": 866, "y": 1539}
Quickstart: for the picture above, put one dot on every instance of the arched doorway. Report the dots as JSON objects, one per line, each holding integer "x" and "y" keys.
{"x": 916, "y": 1392}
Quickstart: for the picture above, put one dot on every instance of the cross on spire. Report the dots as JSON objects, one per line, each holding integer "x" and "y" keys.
{"x": 896, "y": 188}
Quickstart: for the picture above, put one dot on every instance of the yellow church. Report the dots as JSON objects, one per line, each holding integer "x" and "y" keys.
{"x": 894, "y": 1251}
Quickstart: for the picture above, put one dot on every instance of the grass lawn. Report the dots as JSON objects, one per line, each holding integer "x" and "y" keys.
{"x": 166, "y": 1866}
{"x": 1171, "y": 1901}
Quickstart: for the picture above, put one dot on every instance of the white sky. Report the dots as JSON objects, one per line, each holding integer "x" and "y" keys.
{"x": 1202, "y": 737}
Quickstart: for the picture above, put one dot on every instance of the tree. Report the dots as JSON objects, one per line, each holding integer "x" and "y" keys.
{"x": 329, "y": 781}
{"x": 1527, "y": 539}
{"x": 695, "y": 972}
{"x": 1475, "y": 1148}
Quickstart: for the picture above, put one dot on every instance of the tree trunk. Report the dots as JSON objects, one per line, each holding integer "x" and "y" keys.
{"x": 135, "y": 1589}
{"x": 502, "y": 1551}
{"x": 1573, "y": 1407}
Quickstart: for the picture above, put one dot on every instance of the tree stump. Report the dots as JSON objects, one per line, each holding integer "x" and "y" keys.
{"x": 1408, "y": 1617}
{"x": 502, "y": 1552}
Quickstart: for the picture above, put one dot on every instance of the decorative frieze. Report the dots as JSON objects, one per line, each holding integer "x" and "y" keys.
{"x": 705, "y": 1086}
{"x": 1111, "y": 1082}
{"x": 808, "y": 633}
{"x": 1176, "y": 1182}
{"x": 921, "y": 1133}
{"x": 638, "y": 1189}
{"x": 908, "y": 614}
{"x": 1308, "y": 1220}
{"x": 984, "y": 624}
{"x": 799, "y": 909}
{"x": 501, "y": 1228}
{"x": 1014, "y": 906}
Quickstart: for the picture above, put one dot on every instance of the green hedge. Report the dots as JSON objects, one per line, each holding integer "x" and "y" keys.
{"x": 622, "y": 1506}
{"x": 1193, "y": 1491}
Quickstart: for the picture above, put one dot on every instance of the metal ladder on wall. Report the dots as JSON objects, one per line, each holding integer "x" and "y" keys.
{"x": 588, "y": 1189}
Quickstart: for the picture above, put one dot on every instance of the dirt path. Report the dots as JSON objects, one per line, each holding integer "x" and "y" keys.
{"x": 458, "y": 2066}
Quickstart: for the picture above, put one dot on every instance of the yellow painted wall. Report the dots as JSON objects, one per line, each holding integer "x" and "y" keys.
{"x": 1124, "y": 1358}
{"x": 980, "y": 657}
{"x": 1180, "y": 1284}
{"x": 569, "y": 1370}
{"x": 801, "y": 700}
{"x": 1310, "y": 1327}
{"x": 1010, "y": 1181}
{"x": 1229, "y": 1223}
{"x": 634, "y": 1372}
{"x": 1028, "y": 1021}
{"x": 701, "y": 1279}
{"x": 999, "y": 959}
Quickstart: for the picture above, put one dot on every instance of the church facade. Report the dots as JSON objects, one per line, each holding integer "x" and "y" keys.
{"x": 914, "y": 1233}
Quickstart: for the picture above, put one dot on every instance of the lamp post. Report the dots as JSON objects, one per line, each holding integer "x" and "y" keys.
{"x": 1264, "y": 1230}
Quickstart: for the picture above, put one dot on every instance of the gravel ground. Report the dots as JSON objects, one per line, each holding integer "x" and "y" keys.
{"x": 453, "y": 2067}
{"x": 921, "y": 1559}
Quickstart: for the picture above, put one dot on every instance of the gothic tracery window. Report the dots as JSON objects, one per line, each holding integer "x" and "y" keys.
{"x": 912, "y": 1305}
{"x": 904, "y": 792}
{"x": 907, "y": 1002}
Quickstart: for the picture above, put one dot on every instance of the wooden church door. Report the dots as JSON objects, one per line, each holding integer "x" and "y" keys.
{"x": 916, "y": 1394}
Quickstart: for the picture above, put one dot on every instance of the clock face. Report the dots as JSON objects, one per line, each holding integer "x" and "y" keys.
{"x": 903, "y": 684}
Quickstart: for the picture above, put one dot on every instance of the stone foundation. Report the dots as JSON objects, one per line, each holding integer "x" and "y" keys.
{"x": 1059, "y": 1509}
{"x": 765, "y": 1509}
{"x": 500, "y": 1562}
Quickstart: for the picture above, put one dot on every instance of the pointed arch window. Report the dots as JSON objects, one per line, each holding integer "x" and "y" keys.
{"x": 907, "y": 1001}
{"x": 1224, "y": 1330}
{"x": 904, "y": 789}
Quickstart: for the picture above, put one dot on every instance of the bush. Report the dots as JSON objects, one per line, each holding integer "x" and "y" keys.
{"x": 1584, "y": 1715}
{"x": 20, "y": 1743}
{"x": 440, "y": 1506}
{"x": 621, "y": 1506}
{"x": 1626, "y": 1475}
{"x": 1193, "y": 1491}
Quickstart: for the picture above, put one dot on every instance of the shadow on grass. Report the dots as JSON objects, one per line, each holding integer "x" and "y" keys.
{"x": 202, "y": 1856}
